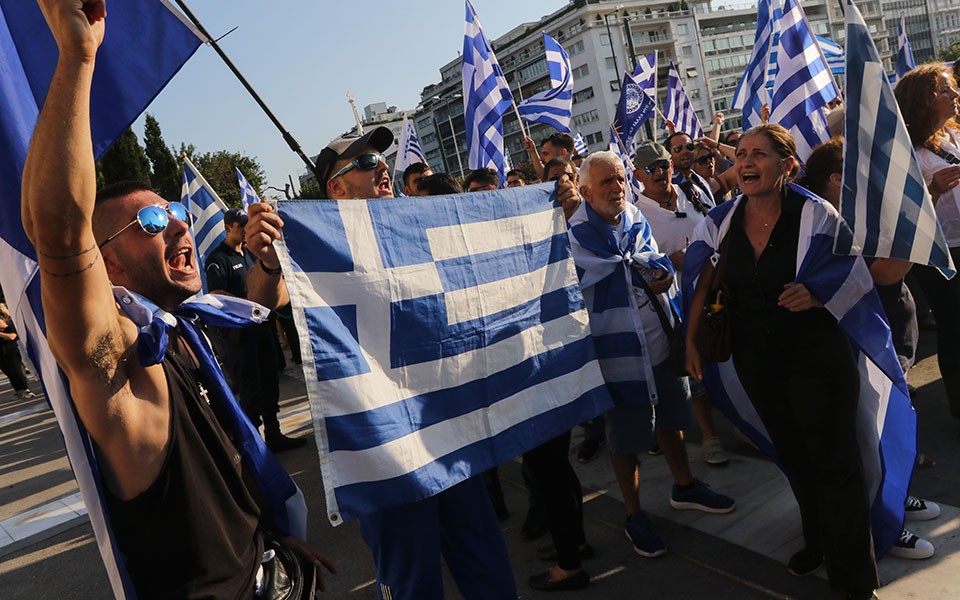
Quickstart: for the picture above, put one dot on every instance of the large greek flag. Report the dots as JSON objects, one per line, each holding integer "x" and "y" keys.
{"x": 554, "y": 106}
{"x": 678, "y": 108}
{"x": 486, "y": 97}
{"x": 248, "y": 195}
{"x": 442, "y": 336}
{"x": 145, "y": 45}
{"x": 751, "y": 93}
{"x": 408, "y": 151}
{"x": 886, "y": 423}
{"x": 884, "y": 200}
{"x": 804, "y": 84}
{"x": 206, "y": 210}
{"x": 905, "y": 60}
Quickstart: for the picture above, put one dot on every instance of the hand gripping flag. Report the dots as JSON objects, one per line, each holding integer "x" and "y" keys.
{"x": 804, "y": 84}
{"x": 751, "y": 93}
{"x": 441, "y": 336}
{"x": 248, "y": 195}
{"x": 678, "y": 109}
{"x": 905, "y": 61}
{"x": 408, "y": 151}
{"x": 554, "y": 106}
{"x": 634, "y": 107}
{"x": 884, "y": 201}
{"x": 886, "y": 423}
{"x": 146, "y": 44}
{"x": 206, "y": 210}
{"x": 486, "y": 97}
{"x": 580, "y": 145}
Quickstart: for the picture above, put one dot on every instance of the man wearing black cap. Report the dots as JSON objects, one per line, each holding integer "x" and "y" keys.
{"x": 249, "y": 355}
{"x": 353, "y": 166}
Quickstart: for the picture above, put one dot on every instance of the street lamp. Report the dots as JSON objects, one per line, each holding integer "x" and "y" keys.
{"x": 286, "y": 192}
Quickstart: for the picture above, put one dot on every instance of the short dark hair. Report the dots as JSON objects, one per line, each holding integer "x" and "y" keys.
{"x": 483, "y": 176}
{"x": 561, "y": 140}
{"x": 121, "y": 189}
{"x": 439, "y": 184}
{"x": 554, "y": 163}
{"x": 825, "y": 160}
{"x": 518, "y": 173}
{"x": 414, "y": 169}
{"x": 669, "y": 141}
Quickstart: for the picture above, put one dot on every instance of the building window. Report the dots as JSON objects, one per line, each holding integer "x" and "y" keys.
{"x": 575, "y": 49}
{"x": 580, "y": 72}
{"x": 611, "y": 63}
{"x": 687, "y": 51}
{"x": 682, "y": 29}
{"x": 604, "y": 39}
{"x": 532, "y": 70}
{"x": 583, "y": 95}
{"x": 593, "y": 138}
{"x": 614, "y": 85}
{"x": 587, "y": 117}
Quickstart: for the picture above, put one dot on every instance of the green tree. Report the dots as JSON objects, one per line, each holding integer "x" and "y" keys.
{"x": 166, "y": 176}
{"x": 309, "y": 189}
{"x": 219, "y": 169}
{"x": 950, "y": 53}
{"x": 124, "y": 161}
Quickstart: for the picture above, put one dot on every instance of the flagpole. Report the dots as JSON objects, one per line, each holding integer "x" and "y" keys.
{"x": 287, "y": 136}
{"x": 356, "y": 115}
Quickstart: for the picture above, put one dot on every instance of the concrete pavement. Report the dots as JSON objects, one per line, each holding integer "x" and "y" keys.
{"x": 47, "y": 548}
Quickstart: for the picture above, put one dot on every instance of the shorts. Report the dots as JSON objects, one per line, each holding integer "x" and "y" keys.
{"x": 631, "y": 427}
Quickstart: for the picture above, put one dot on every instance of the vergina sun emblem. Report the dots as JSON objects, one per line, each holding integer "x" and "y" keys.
{"x": 633, "y": 98}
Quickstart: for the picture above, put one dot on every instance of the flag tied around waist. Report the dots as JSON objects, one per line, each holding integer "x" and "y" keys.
{"x": 886, "y": 423}
{"x": 146, "y": 44}
{"x": 441, "y": 336}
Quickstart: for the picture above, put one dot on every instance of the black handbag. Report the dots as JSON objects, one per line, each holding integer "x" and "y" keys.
{"x": 678, "y": 354}
{"x": 716, "y": 343}
{"x": 286, "y": 575}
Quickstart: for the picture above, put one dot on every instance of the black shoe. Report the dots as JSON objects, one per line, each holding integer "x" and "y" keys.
{"x": 577, "y": 581}
{"x": 549, "y": 553}
{"x": 871, "y": 595}
{"x": 805, "y": 562}
{"x": 277, "y": 443}
{"x": 535, "y": 525}
{"x": 589, "y": 450}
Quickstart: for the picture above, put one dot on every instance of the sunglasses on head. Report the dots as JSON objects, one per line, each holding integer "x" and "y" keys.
{"x": 660, "y": 164}
{"x": 154, "y": 219}
{"x": 705, "y": 159}
{"x": 680, "y": 147}
{"x": 364, "y": 162}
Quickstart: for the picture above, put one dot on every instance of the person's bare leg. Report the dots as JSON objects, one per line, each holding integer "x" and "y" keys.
{"x": 675, "y": 451}
{"x": 626, "y": 468}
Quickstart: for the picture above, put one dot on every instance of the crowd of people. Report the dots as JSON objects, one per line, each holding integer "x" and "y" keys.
{"x": 191, "y": 519}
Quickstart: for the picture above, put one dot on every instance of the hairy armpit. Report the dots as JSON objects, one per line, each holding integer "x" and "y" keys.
{"x": 110, "y": 359}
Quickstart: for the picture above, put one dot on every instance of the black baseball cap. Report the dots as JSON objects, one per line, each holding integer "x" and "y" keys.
{"x": 235, "y": 215}
{"x": 350, "y": 146}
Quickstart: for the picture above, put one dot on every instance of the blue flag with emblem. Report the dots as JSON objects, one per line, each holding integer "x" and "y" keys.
{"x": 248, "y": 195}
{"x": 486, "y": 97}
{"x": 905, "y": 60}
{"x": 206, "y": 214}
{"x": 554, "y": 106}
{"x": 884, "y": 199}
{"x": 886, "y": 423}
{"x": 634, "y": 107}
{"x": 678, "y": 107}
{"x": 145, "y": 46}
{"x": 441, "y": 336}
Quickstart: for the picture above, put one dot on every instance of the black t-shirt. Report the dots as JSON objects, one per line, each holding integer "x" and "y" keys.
{"x": 226, "y": 270}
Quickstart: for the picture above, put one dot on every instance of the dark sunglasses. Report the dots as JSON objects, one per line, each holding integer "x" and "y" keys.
{"x": 660, "y": 164}
{"x": 364, "y": 162}
{"x": 690, "y": 147}
{"x": 154, "y": 219}
{"x": 705, "y": 159}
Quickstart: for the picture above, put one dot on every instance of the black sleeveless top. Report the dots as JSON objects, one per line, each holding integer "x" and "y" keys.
{"x": 194, "y": 532}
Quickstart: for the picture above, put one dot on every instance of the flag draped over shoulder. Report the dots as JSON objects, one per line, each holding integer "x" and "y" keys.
{"x": 441, "y": 336}
{"x": 751, "y": 94}
{"x": 486, "y": 97}
{"x": 678, "y": 108}
{"x": 554, "y": 106}
{"x": 408, "y": 151}
{"x": 804, "y": 84}
{"x": 905, "y": 60}
{"x": 886, "y": 422}
{"x": 206, "y": 211}
{"x": 146, "y": 44}
{"x": 884, "y": 201}
{"x": 248, "y": 195}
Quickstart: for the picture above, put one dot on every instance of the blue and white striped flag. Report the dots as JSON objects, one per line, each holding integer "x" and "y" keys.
{"x": 886, "y": 423}
{"x": 144, "y": 38}
{"x": 206, "y": 209}
{"x": 634, "y": 187}
{"x": 751, "y": 93}
{"x": 408, "y": 150}
{"x": 442, "y": 336}
{"x": 486, "y": 97}
{"x": 884, "y": 199}
{"x": 905, "y": 61}
{"x": 804, "y": 84}
{"x": 248, "y": 195}
{"x": 554, "y": 106}
{"x": 580, "y": 145}
{"x": 834, "y": 54}
{"x": 678, "y": 108}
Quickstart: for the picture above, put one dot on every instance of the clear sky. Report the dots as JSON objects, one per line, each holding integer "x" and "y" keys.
{"x": 302, "y": 56}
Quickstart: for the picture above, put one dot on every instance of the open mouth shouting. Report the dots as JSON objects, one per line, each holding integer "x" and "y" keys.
{"x": 182, "y": 260}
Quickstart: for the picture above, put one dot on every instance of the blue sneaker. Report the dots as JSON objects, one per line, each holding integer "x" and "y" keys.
{"x": 645, "y": 540}
{"x": 701, "y": 497}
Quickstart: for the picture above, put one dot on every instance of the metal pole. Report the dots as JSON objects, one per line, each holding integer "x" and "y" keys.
{"x": 606, "y": 22}
{"x": 633, "y": 50}
{"x": 291, "y": 141}
{"x": 456, "y": 147}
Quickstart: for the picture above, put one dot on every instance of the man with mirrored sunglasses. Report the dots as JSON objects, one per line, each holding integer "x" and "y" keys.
{"x": 681, "y": 148}
{"x": 187, "y": 516}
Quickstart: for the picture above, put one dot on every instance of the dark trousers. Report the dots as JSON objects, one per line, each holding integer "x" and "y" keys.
{"x": 808, "y": 403}
{"x": 943, "y": 295}
{"x": 557, "y": 491}
{"x": 249, "y": 360}
{"x": 285, "y": 318}
{"x": 12, "y": 367}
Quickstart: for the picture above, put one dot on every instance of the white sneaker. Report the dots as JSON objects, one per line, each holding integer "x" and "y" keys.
{"x": 713, "y": 452}
{"x": 912, "y": 547}
{"x": 918, "y": 509}
{"x": 26, "y": 394}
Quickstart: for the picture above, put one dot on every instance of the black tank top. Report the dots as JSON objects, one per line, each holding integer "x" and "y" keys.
{"x": 194, "y": 532}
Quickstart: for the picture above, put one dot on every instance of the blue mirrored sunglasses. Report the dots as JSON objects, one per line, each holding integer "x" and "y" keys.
{"x": 364, "y": 162}
{"x": 154, "y": 219}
